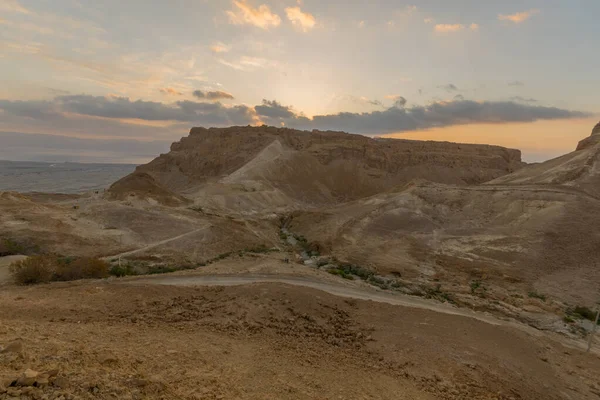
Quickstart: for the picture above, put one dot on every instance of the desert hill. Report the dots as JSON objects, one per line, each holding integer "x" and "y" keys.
{"x": 260, "y": 168}
{"x": 534, "y": 229}
{"x": 579, "y": 170}
{"x": 447, "y": 216}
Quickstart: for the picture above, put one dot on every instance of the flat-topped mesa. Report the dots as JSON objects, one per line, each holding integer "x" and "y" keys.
{"x": 318, "y": 167}
{"x": 591, "y": 140}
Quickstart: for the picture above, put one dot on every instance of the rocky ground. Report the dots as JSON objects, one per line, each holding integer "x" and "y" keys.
{"x": 110, "y": 340}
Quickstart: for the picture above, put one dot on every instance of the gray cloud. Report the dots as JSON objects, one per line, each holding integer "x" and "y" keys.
{"x": 216, "y": 95}
{"x": 516, "y": 83}
{"x": 124, "y": 108}
{"x": 273, "y": 109}
{"x": 71, "y": 114}
{"x": 438, "y": 114}
{"x": 449, "y": 88}
{"x": 523, "y": 99}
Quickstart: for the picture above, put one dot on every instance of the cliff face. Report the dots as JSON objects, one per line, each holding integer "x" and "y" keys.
{"x": 322, "y": 167}
{"x": 591, "y": 140}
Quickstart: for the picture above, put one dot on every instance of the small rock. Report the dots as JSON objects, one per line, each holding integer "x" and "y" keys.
{"x": 107, "y": 359}
{"x": 139, "y": 382}
{"x": 13, "y": 391}
{"x": 51, "y": 373}
{"x": 28, "y": 378}
{"x": 14, "y": 347}
{"x": 60, "y": 382}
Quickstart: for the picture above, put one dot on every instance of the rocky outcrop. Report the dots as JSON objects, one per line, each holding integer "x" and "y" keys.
{"x": 320, "y": 167}
{"x": 592, "y": 140}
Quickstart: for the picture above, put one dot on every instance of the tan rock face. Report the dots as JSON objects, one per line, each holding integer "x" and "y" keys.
{"x": 318, "y": 167}
{"x": 592, "y": 140}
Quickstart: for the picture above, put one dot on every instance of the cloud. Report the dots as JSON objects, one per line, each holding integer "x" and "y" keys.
{"x": 519, "y": 17}
{"x": 170, "y": 91}
{"x": 122, "y": 108}
{"x": 274, "y": 109}
{"x": 220, "y": 47}
{"x": 523, "y": 99}
{"x": 398, "y": 100}
{"x": 429, "y": 20}
{"x": 437, "y": 114}
{"x": 449, "y": 88}
{"x": 216, "y": 95}
{"x": 474, "y": 27}
{"x": 261, "y": 17}
{"x": 516, "y": 83}
{"x": 361, "y": 24}
{"x": 447, "y": 28}
{"x": 249, "y": 63}
{"x": 121, "y": 116}
{"x": 13, "y": 6}
{"x": 301, "y": 20}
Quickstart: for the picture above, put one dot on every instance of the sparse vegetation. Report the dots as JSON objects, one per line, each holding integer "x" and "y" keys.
{"x": 535, "y": 295}
{"x": 82, "y": 268}
{"x": 9, "y": 247}
{"x": 123, "y": 270}
{"x": 477, "y": 288}
{"x": 582, "y": 312}
{"x": 34, "y": 270}
{"x": 438, "y": 294}
{"x": 568, "y": 319}
{"x": 340, "y": 272}
{"x": 48, "y": 268}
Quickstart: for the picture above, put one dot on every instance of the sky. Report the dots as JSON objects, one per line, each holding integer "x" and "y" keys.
{"x": 118, "y": 81}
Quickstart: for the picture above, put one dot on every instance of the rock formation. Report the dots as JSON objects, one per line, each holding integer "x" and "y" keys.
{"x": 592, "y": 140}
{"x": 314, "y": 167}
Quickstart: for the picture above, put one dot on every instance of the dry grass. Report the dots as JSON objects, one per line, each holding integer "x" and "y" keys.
{"x": 32, "y": 270}
{"x": 82, "y": 268}
{"x": 47, "y": 268}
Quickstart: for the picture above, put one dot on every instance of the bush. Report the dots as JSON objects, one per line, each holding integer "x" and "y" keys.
{"x": 124, "y": 270}
{"x": 32, "y": 270}
{"x": 585, "y": 313}
{"x": 81, "y": 268}
{"x": 535, "y": 295}
{"x": 9, "y": 247}
{"x": 341, "y": 273}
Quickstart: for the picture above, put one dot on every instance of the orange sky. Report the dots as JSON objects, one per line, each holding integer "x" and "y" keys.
{"x": 538, "y": 141}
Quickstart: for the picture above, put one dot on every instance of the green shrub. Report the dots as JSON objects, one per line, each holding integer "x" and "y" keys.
{"x": 9, "y": 247}
{"x": 361, "y": 272}
{"x": 122, "y": 270}
{"x": 32, "y": 270}
{"x": 160, "y": 269}
{"x": 585, "y": 313}
{"x": 341, "y": 273}
{"x": 535, "y": 295}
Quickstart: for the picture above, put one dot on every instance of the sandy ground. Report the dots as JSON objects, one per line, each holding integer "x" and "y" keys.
{"x": 271, "y": 341}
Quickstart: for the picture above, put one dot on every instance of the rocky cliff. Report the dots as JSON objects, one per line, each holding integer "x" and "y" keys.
{"x": 315, "y": 167}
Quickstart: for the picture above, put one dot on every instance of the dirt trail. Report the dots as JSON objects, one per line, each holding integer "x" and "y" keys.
{"x": 350, "y": 292}
{"x": 573, "y": 191}
{"x": 155, "y": 244}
